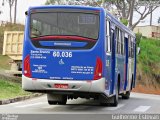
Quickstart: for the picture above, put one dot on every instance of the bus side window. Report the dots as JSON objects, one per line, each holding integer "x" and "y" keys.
{"x": 118, "y": 40}
{"x": 122, "y": 43}
{"x": 134, "y": 45}
{"x": 117, "y": 37}
{"x": 130, "y": 47}
{"x": 108, "y": 36}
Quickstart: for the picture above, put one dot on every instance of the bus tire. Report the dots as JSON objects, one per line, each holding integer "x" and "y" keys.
{"x": 52, "y": 102}
{"x": 56, "y": 99}
{"x": 115, "y": 97}
{"x": 63, "y": 100}
{"x": 126, "y": 96}
{"x": 104, "y": 104}
{"x": 103, "y": 100}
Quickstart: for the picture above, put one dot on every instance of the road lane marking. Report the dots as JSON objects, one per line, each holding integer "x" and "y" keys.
{"x": 142, "y": 108}
{"x": 29, "y": 105}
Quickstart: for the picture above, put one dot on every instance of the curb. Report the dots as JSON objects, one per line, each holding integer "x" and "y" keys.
{"x": 17, "y": 99}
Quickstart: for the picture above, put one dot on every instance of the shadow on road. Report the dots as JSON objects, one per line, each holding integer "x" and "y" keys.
{"x": 80, "y": 106}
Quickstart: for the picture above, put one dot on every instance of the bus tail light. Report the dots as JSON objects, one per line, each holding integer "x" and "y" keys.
{"x": 98, "y": 69}
{"x": 27, "y": 69}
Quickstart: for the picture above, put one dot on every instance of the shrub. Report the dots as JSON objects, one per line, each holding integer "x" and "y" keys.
{"x": 144, "y": 37}
{"x": 138, "y": 38}
{"x": 124, "y": 21}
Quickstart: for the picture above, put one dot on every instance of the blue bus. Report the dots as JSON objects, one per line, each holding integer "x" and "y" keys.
{"x": 75, "y": 51}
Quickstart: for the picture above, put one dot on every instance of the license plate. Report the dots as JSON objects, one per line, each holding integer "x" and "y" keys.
{"x": 63, "y": 86}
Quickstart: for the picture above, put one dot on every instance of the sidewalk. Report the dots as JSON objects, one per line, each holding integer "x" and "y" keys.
{"x": 12, "y": 100}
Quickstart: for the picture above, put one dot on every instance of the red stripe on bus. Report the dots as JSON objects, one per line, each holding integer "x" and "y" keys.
{"x": 64, "y": 37}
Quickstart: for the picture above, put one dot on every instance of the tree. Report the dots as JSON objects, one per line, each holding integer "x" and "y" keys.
{"x": 73, "y": 2}
{"x": 11, "y": 3}
{"x": 126, "y": 9}
{"x": 52, "y": 2}
{"x": 15, "y": 11}
{"x": 124, "y": 21}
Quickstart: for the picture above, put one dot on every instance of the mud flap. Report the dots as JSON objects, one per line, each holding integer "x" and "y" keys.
{"x": 104, "y": 100}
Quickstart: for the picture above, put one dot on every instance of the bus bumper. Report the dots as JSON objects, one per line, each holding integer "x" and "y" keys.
{"x": 31, "y": 84}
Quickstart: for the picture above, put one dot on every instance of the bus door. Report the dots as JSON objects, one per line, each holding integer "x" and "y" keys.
{"x": 113, "y": 50}
{"x": 126, "y": 61}
{"x": 134, "y": 63}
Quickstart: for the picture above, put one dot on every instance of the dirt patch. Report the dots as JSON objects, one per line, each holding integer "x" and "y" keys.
{"x": 7, "y": 77}
{"x": 146, "y": 83}
{"x": 146, "y": 90}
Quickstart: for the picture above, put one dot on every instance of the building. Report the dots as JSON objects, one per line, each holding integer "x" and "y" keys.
{"x": 148, "y": 31}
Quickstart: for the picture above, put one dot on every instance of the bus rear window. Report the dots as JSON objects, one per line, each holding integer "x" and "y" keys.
{"x": 64, "y": 24}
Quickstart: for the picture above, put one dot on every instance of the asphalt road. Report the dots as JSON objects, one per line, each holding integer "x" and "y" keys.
{"x": 137, "y": 104}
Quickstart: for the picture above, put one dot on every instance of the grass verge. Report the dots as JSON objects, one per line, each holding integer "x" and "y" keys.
{"x": 148, "y": 66}
{"x": 4, "y": 62}
{"x": 10, "y": 90}
{"x": 149, "y": 58}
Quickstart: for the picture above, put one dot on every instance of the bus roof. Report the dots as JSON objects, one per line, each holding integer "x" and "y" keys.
{"x": 66, "y": 6}
{"x": 111, "y": 17}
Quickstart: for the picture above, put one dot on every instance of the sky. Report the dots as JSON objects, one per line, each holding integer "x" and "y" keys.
{"x": 23, "y": 5}
{"x": 146, "y": 21}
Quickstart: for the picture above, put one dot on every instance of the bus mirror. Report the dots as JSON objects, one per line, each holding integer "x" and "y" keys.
{"x": 26, "y": 13}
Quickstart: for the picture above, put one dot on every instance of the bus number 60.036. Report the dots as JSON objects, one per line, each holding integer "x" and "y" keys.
{"x": 62, "y": 54}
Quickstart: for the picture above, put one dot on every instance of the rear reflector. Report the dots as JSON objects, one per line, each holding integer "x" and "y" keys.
{"x": 27, "y": 70}
{"x": 98, "y": 69}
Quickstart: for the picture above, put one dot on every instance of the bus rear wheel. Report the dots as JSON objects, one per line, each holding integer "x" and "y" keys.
{"x": 113, "y": 101}
{"x": 126, "y": 96}
{"x": 52, "y": 102}
{"x": 103, "y": 101}
{"x": 115, "y": 98}
{"x": 63, "y": 100}
{"x": 57, "y": 99}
